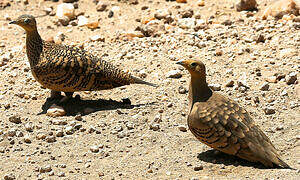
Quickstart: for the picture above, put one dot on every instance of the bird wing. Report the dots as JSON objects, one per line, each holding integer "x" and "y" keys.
{"x": 222, "y": 124}
{"x": 57, "y": 58}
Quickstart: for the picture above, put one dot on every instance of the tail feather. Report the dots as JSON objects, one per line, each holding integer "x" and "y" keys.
{"x": 139, "y": 81}
{"x": 284, "y": 165}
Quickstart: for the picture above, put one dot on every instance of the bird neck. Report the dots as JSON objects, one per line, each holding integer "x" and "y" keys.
{"x": 34, "y": 47}
{"x": 198, "y": 90}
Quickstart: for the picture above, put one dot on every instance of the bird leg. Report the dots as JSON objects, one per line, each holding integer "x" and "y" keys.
{"x": 55, "y": 94}
{"x": 67, "y": 97}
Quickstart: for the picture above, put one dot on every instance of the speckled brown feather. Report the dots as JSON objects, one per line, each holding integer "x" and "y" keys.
{"x": 222, "y": 124}
{"x": 67, "y": 68}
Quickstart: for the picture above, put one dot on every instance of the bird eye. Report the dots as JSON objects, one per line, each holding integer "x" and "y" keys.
{"x": 193, "y": 64}
{"x": 27, "y": 21}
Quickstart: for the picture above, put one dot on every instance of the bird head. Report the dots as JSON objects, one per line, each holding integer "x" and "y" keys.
{"x": 196, "y": 68}
{"x": 27, "y": 22}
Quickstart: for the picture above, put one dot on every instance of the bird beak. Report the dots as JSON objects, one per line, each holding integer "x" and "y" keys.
{"x": 13, "y": 22}
{"x": 181, "y": 62}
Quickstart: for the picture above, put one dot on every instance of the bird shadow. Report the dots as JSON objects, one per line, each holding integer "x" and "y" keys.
{"x": 76, "y": 106}
{"x": 217, "y": 157}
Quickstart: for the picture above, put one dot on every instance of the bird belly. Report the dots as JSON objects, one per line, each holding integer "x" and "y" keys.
{"x": 62, "y": 81}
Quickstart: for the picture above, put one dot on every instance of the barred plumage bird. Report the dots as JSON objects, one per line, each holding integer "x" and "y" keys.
{"x": 222, "y": 124}
{"x": 67, "y": 68}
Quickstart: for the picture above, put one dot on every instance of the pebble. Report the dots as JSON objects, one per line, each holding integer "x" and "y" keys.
{"x": 265, "y": 86}
{"x": 65, "y": 9}
{"x": 280, "y": 8}
{"x": 64, "y": 20}
{"x": 161, "y": 14}
{"x": 61, "y": 174}
{"x": 187, "y": 13}
{"x": 187, "y": 23}
{"x": 246, "y": 5}
{"x": 269, "y": 110}
{"x": 15, "y": 119}
{"x": 201, "y": 3}
{"x": 69, "y": 1}
{"x": 50, "y": 139}
{"x": 82, "y": 21}
{"x": 260, "y": 38}
{"x": 60, "y": 133}
{"x": 229, "y": 83}
{"x": 182, "y": 128}
{"x": 93, "y": 25}
{"x": 291, "y": 78}
{"x": 219, "y": 52}
{"x": 69, "y": 130}
{"x": 182, "y": 90}
{"x": 19, "y": 134}
{"x": 29, "y": 126}
{"x": 45, "y": 169}
{"x": 110, "y": 14}
{"x": 215, "y": 87}
{"x": 55, "y": 111}
{"x": 278, "y": 128}
{"x": 9, "y": 177}
{"x": 154, "y": 126}
{"x": 97, "y": 38}
{"x": 11, "y": 132}
{"x": 129, "y": 125}
{"x": 27, "y": 138}
{"x": 94, "y": 149}
{"x": 78, "y": 117}
{"x": 181, "y": 1}
{"x": 59, "y": 122}
{"x": 101, "y": 6}
{"x": 41, "y": 135}
{"x": 198, "y": 168}
{"x": 174, "y": 74}
{"x": 271, "y": 79}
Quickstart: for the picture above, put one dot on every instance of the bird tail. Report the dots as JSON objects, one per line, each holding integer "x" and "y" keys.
{"x": 139, "y": 81}
{"x": 284, "y": 165}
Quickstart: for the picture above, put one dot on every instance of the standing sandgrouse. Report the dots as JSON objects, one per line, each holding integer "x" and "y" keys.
{"x": 69, "y": 69}
{"x": 222, "y": 124}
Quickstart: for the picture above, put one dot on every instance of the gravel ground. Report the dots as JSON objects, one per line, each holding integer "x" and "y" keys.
{"x": 138, "y": 131}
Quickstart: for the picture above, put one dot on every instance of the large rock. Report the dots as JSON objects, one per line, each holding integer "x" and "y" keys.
{"x": 246, "y": 5}
{"x": 282, "y": 7}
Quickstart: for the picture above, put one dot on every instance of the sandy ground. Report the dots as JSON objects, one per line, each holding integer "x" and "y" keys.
{"x": 102, "y": 136}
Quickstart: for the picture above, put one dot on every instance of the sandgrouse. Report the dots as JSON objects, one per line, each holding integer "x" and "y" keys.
{"x": 69, "y": 69}
{"x": 222, "y": 124}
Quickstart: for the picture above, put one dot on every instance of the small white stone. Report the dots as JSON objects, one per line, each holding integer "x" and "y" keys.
{"x": 82, "y": 20}
{"x": 29, "y": 126}
{"x": 69, "y": 130}
{"x": 94, "y": 149}
{"x": 65, "y": 9}
{"x": 55, "y": 111}
{"x": 174, "y": 74}
{"x": 97, "y": 38}
{"x": 215, "y": 87}
{"x": 186, "y": 23}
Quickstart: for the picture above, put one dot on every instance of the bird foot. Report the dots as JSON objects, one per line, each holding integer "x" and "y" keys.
{"x": 69, "y": 96}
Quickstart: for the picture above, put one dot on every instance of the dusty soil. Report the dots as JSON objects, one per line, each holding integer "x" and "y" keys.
{"x": 103, "y": 136}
